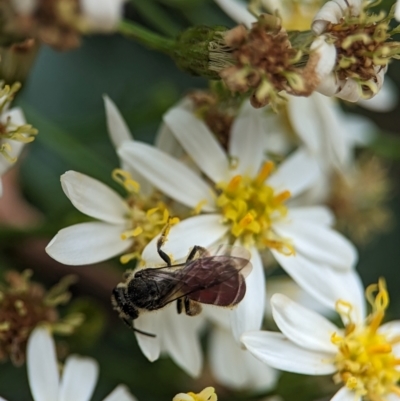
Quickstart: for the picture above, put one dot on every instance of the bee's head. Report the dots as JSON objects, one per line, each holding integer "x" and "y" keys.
{"x": 122, "y": 304}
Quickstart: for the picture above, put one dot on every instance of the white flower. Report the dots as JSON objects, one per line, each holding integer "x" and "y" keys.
{"x": 176, "y": 335}
{"x": 230, "y": 364}
{"x": 352, "y": 79}
{"x": 12, "y": 149}
{"x": 78, "y": 379}
{"x": 363, "y": 356}
{"x": 92, "y": 242}
{"x": 299, "y": 238}
{"x": 102, "y": 15}
{"x": 329, "y": 133}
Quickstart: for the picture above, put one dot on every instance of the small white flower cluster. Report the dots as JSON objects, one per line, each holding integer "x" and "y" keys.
{"x": 240, "y": 196}
{"x": 255, "y": 178}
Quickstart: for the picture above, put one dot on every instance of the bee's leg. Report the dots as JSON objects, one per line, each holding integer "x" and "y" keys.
{"x": 161, "y": 241}
{"x": 192, "y": 308}
{"x": 179, "y": 305}
{"x": 196, "y": 249}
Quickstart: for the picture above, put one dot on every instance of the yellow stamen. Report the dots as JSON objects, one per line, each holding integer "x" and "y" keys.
{"x": 365, "y": 360}
{"x": 234, "y": 183}
{"x": 126, "y": 180}
{"x": 265, "y": 172}
{"x": 282, "y": 197}
{"x": 199, "y": 207}
{"x": 250, "y": 206}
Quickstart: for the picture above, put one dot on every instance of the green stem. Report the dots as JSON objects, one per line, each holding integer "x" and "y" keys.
{"x": 147, "y": 38}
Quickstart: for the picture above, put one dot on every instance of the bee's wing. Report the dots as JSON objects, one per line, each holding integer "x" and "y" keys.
{"x": 219, "y": 280}
{"x": 215, "y": 280}
{"x": 234, "y": 252}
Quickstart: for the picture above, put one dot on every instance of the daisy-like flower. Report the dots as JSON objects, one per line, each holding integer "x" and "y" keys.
{"x": 363, "y": 45}
{"x": 248, "y": 197}
{"x": 125, "y": 226}
{"x": 299, "y": 16}
{"x": 231, "y": 365}
{"x": 78, "y": 378}
{"x": 208, "y": 394}
{"x": 363, "y": 356}
{"x": 14, "y": 132}
{"x": 176, "y": 334}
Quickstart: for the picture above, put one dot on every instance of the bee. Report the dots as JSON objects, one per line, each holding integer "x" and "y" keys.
{"x": 214, "y": 277}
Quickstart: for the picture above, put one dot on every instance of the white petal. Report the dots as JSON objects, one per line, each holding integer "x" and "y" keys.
{"x": 325, "y": 53}
{"x": 16, "y": 149}
{"x": 94, "y": 198}
{"x": 344, "y": 394}
{"x": 180, "y": 339}
{"x": 199, "y": 142}
{"x": 245, "y": 143}
{"x": 319, "y": 243}
{"x": 361, "y": 131}
{"x": 397, "y": 11}
{"x": 16, "y": 115}
{"x": 149, "y": 323}
{"x": 87, "y": 243}
{"x": 42, "y": 366}
{"x": 78, "y": 379}
{"x": 120, "y": 393}
{"x": 391, "y": 329}
{"x": 117, "y": 128}
{"x": 333, "y": 11}
{"x": 391, "y": 397}
{"x": 303, "y": 326}
{"x": 285, "y": 285}
{"x": 248, "y": 315}
{"x": 305, "y": 121}
{"x": 219, "y": 316}
{"x": 324, "y": 284}
{"x": 279, "y": 352}
{"x": 330, "y": 85}
{"x": 324, "y": 133}
{"x": 237, "y": 10}
{"x": 203, "y": 230}
{"x": 166, "y": 141}
{"x": 296, "y": 173}
{"x": 349, "y": 90}
{"x": 314, "y": 214}
{"x": 102, "y": 16}
{"x": 236, "y": 368}
{"x": 167, "y": 174}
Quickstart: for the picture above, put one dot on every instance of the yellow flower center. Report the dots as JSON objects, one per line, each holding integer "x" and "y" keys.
{"x": 365, "y": 361}
{"x": 208, "y": 394}
{"x": 147, "y": 215}
{"x": 250, "y": 207}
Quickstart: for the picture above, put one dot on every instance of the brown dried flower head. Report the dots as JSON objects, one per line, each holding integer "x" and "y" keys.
{"x": 363, "y": 46}
{"x": 23, "y": 306}
{"x": 359, "y": 200}
{"x": 55, "y": 22}
{"x": 264, "y": 62}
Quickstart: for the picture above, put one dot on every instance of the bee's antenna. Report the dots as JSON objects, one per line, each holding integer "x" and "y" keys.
{"x": 144, "y": 333}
